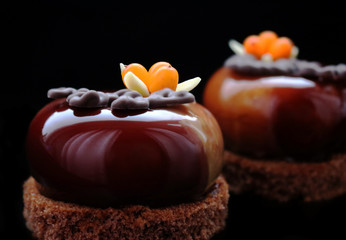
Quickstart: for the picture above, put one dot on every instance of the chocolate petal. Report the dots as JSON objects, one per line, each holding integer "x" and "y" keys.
{"x": 111, "y": 97}
{"x": 61, "y": 92}
{"x": 341, "y": 69}
{"x": 334, "y": 72}
{"x": 307, "y": 69}
{"x": 88, "y": 99}
{"x": 130, "y": 102}
{"x": 166, "y": 97}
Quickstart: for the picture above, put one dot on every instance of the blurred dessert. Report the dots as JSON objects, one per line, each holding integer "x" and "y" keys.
{"x": 283, "y": 121}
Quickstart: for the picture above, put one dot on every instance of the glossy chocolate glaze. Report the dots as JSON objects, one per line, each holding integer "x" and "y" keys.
{"x": 278, "y": 116}
{"x": 103, "y": 157}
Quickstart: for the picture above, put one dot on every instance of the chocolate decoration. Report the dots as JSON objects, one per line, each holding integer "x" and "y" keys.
{"x": 61, "y": 92}
{"x": 249, "y": 65}
{"x": 166, "y": 97}
{"x": 121, "y": 99}
{"x": 128, "y": 99}
{"x": 88, "y": 99}
{"x": 96, "y": 157}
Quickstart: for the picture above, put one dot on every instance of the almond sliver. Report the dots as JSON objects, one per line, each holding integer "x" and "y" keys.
{"x": 122, "y": 67}
{"x": 132, "y": 82}
{"x": 188, "y": 85}
{"x": 294, "y": 52}
{"x": 236, "y": 47}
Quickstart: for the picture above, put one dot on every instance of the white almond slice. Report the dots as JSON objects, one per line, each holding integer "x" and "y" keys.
{"x": 188, "y": 85}
{"x": 132, "y": 82}
{"x": 236, "y": 46}
{"x": 294, "y": 52}
{"x": 122, "y": 68}
{"x": 267, "y": 57}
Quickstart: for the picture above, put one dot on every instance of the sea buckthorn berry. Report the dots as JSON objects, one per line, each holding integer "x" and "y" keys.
{"x": 138, "y": 70}
{"x": 251, "y": 45}
{"x": 157, "y": 65}
{"x": 165, "y": 76}
{"x": 266, "y": 39}
{"x": 281, "y": 48}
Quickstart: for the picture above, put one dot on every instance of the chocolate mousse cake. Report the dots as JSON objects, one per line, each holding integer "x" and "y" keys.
{"x": 138, "y": 163}
{"x": 283, "y": 121}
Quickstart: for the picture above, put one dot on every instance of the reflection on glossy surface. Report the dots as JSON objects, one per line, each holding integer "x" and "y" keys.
{"x": 96, "y": 156}
{"x": 278, "y": 116}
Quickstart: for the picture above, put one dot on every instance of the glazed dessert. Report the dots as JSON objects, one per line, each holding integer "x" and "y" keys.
{"x": 141, "y": 162}
{"x": 283, "y": 121}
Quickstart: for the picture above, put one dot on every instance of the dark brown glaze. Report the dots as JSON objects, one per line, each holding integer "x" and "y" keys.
{"x": 278, "y": 116}
{"x": 100, "y": 157}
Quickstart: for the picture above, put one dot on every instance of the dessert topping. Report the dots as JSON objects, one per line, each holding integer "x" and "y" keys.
{"x": 155, "y": 88}
{"x": 161, "y": 75}
{"x": 266, "y": 46}
{"x": 278, "y": 56}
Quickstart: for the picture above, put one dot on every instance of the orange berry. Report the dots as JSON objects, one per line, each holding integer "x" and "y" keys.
{"x": 281, "y": 48}
{"x": 251, "y": 45}
{"x": 157, "y": 65}
{"x": 164, "y": 77}
{"x": 138, "y": 70}
{"x": 266, "y": 39}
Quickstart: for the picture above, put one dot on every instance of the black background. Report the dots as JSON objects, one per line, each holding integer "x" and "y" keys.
{"x": 81, "y": 43}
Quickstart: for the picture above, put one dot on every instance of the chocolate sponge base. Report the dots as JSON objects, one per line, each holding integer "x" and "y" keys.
{"x": 50, "y": 219}
{"x": 286, "y": 181}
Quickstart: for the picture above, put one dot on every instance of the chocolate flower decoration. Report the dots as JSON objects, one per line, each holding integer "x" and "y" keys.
{"x": 121, "y": 99}
{"x": 248, "y": 64}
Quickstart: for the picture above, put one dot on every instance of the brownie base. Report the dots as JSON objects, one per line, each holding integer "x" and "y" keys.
{"x": 285, "y": 200}
{"x": 50, "y": 219}
{"x": 286, "y": 181}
